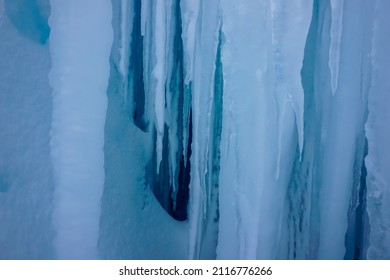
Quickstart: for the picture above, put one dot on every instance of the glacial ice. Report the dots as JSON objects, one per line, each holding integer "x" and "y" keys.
{"x": 194, "y": 129}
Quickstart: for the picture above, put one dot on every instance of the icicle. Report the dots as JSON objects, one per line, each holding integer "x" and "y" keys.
{"x": 159, "y": 73}
{"x": 337, "y": 7}
{"x": 289, "y": 49}
{"x": 281, "y": 127}
{"x": 189, "y": 10}
{"x": 125, "y": 43}
{"x": 173, "y": 92}
{"x": 189, "y": 16}
{"x": 186, "y": 117}
{"x": 144, "y": 15}
{"x": 200, "y": 47}
{"x": 243, "y": 141}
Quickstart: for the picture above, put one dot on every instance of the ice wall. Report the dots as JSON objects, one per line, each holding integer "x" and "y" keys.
{"x": 196, "y": 129}
{"x": 26, "y": 186}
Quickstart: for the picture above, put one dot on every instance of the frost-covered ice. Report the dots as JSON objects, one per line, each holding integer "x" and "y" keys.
{"x": 174, "y": 129}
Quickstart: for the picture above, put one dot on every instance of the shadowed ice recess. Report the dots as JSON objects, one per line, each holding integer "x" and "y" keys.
{"x": 194, "y": 129}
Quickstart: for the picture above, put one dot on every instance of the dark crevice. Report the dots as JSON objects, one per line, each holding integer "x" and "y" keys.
{"x": 211, "y": 229}
{"x": 161, "y": 184}
{"x": 361, "y": 211}
{"x": 295, "y": 208}
{"x": 356, "y": 234}
{"x": 311, "y": 149}
{"x": 136, "y": 66}
{"x": 180, "y": 211}
{"x": 217, "y": 113}
{"x": 217, "y": 126}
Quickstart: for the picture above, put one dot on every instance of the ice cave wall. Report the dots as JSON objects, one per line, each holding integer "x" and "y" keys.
{"x": 139, "y": 129}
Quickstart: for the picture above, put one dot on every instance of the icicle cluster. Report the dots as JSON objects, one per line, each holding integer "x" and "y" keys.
{"x": 267, "y": 103}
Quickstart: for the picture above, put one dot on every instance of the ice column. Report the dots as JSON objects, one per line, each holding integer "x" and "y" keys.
{"x": 262, "y": 121}
{"x": 80, "y": 43}
{"x": 343, "y": 118}
{"x": 202, "y": 78}
{"x": 247, "y": 165}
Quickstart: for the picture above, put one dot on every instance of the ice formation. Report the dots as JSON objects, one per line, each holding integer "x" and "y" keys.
{"x": 194, "y": 129}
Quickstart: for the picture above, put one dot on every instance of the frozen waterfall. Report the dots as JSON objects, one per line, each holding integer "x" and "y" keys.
{"x": 194, "y": 129}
